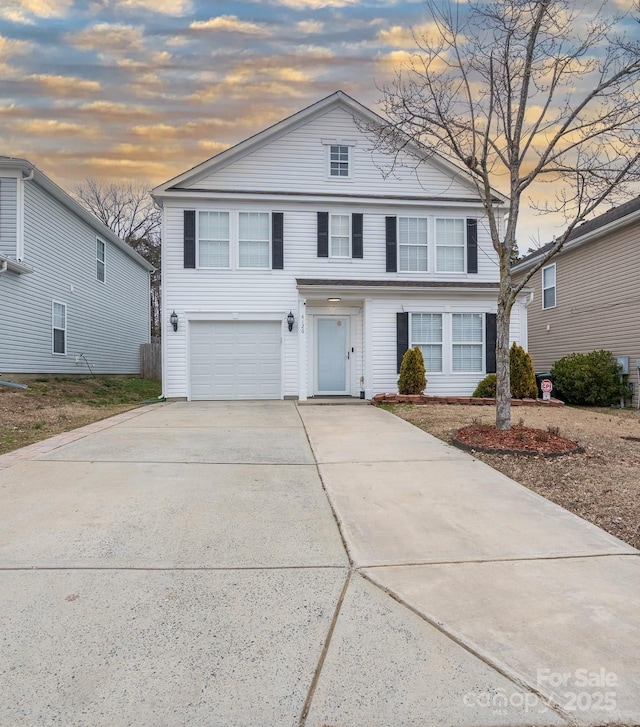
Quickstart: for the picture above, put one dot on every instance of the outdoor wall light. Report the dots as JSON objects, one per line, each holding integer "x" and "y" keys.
{"x": 333, "y": 300}
{"x": 290, "y": 321}
{"x": 173, "y": 319}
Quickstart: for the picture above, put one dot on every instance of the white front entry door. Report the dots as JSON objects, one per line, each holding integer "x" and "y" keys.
{"x": 333, "y": 355}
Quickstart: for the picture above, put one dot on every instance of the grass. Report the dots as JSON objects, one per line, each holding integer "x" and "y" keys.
{"x": 53, "y": 405}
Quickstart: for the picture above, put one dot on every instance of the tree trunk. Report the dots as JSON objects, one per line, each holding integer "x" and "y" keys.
{"x": 503, "y": 389}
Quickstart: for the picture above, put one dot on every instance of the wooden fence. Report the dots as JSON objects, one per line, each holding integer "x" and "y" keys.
{"x": 151, "y": 360}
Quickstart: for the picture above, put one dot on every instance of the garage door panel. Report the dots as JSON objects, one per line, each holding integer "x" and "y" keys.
{"x": 235, "y": 360}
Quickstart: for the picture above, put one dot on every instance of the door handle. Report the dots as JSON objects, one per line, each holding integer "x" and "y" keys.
{"x": 348, "y": 354}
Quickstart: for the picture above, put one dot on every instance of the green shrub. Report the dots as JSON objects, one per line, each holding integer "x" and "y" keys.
{"x": 592, "y": 379}
{"x": 412, "y": 374}
{"x": 522, "y": 375}
{"x": 486, "y": 389}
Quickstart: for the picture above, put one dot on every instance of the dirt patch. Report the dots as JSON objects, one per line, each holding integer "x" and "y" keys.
{"x": 601, "y": 485}
{"x": 52, "y": 405}
{"x": 517, "y": 440}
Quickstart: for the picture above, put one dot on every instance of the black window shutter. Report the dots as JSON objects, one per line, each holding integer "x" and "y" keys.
{"x": 392, "y": 248}
{"x": 189, "y": 238}
{"x": 490, "y": 322}
{"x": 323, "y": 234}
{"x": 403, "y": 335}
{"x": 472, "y": 246}
{"x": 356, "y": 236}
{"x": 277, "y": 240}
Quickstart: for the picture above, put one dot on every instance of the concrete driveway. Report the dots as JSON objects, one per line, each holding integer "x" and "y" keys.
{"x": 267, "y": 564}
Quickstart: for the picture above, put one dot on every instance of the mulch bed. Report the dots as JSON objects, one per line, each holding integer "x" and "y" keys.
{"x": 517, "y": 440}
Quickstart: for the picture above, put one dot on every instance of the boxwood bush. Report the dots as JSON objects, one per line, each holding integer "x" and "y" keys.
{"x": 412, "y": 373}
{"x": 486, "y": 389}
{"x": 591, "y": 379}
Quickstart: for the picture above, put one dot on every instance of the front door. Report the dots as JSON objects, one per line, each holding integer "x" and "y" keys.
{"x": 332, "y": 355}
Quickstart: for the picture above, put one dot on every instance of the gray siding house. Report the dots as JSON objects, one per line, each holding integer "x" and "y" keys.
{"x": 588, "y": 296}
{"x": 72, "y": 294}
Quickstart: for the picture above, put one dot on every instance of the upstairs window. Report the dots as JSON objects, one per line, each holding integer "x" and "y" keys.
{"x": 426, "y": 332}
{"x": 59, "y": 328}
{"x": 339, "y": 161}
{"x": 213, "y": 239}
{"x": 450, "y": 245}
{"x": 549, "y": 286}
{"x": 340, "y": 236}
{"x": 101, "y": 260}
{"x": 254, "y": 240}
{"x": 412, "y": 241}
{"x": 467, "y": 335}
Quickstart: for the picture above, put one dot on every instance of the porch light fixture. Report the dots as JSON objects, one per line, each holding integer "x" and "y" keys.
{"x": 290, "y": 321}
{"x": 333, "y": 300}
{"x": 173, "y": 319}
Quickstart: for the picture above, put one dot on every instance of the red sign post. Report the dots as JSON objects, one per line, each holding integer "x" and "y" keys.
{"x": 547, "y": 387}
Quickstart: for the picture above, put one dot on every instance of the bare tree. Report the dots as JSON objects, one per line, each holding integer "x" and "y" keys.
{"x": 522, "y": 92}
{"x": 128, "y": 210}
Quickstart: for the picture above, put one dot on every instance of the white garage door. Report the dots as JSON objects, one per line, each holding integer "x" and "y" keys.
{"x": 235, "y": 359}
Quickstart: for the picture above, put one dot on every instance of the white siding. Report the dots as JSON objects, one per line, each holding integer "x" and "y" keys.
{"x": 296, "y": 162}
{"x": 106, "y": 322}
{"x": 8, "y": 216}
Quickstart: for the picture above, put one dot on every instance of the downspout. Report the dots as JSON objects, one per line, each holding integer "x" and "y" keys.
{"x": 20, "y": 211}
{"x": 3, "y": 268}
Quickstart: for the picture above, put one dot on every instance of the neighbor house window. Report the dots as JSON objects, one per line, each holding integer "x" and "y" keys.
{"x": 254, "y": 241}
{"x": 340, "y": 236}
{"x": 412, "y": 244}
{"x": 213, "y": 239}
{"x": 549, "y": 286}
{"x": 101, "y": 260}
{"x": 59, "y": 315}
{"x": 339, "y": 161}
{"x": 467, "y": 335}
{"x": 450, "y": 245}
{"x": 426, "y": 333}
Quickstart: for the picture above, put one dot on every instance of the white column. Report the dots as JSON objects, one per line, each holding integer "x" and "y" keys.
{"x": 367, "y": 340}
{"x": 303, "y": 373}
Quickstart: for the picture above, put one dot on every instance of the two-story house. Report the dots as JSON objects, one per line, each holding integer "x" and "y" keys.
{"x": 293, "y": 266}
{"x": 74, "y": 297}
{"x": 585, "y": 298}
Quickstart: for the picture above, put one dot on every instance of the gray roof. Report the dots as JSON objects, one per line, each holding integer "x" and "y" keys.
{"x": 331, "y": 283}
{"x": 612, "y": 215}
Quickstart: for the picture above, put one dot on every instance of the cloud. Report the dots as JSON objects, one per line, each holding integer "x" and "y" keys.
{"x": 64, "y": 85}
{"x": 115, "y": 110}
{"x": 50, "y": 128}
{"x": 398, "y": 36}
{"x": 24, "y": 11}
{"x": 315, "y": 4}
{"x": 310, "y": 26}
{"x": 107, "y": 37}
{"x": 230, "y": 24}
{"x": 10, "y": 47}
{"x": 173, "y": 8}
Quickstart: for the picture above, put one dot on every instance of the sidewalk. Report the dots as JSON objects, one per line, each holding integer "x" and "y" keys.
{"x": 263, "y": 564}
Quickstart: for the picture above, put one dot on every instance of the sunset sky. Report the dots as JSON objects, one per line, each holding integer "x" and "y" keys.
{"x": 144, "y": 89}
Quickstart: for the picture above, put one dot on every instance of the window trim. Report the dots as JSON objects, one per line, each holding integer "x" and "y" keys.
{"x": 230, "y": 257}
{"x": 482, "y": 344}
{"x": 269, "y": 241}
{"x": 102, "y": 261}
{"x": 413, "y": 343}
{"x": 55, "y": 328}
{"x": 464, "y": 246}
{"x": 554, "y": 286}
{"x": 427, "y": 245}
{"x": 349, "y": 223}
{"x": 350, "y": 144}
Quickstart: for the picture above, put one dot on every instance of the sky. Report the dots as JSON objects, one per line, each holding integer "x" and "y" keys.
{"x": 142, "y": 90}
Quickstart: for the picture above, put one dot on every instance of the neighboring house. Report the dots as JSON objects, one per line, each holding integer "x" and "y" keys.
{"x": 299, "y": 224}
{"x": 587, "y": 296}
{"x": 72, "y": 294}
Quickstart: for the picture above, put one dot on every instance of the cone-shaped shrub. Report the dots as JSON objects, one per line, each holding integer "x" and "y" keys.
{"x": 523, "y": 378}
{"x": 412, "y": 374}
